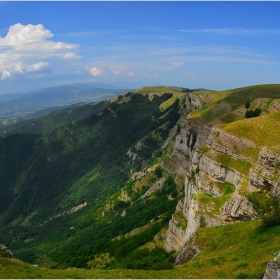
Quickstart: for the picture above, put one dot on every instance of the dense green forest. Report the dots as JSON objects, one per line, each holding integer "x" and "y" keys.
{"x": 86, "y": 161}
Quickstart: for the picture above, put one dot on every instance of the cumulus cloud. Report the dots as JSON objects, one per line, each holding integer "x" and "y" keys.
{"x": 71, "y": 55}
{"x": 25, "y": 46}
{"x": 5, "y": 74}
{"x": 19, "y": 34}
{"x": 94, "y": 71}
{"x": 38, "y": 67}
{"x": 22, "y": 68}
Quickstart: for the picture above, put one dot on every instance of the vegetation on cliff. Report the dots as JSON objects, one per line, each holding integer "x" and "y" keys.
{"x": 84, "y": 164}
{"x": 104, "y": 188}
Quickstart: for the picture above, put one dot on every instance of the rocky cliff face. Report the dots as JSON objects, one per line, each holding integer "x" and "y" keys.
{"x": 265, "y": 174}
{"x": 273, "y": 269}
{"x": 218, "y": 175}
{"x": 179, "y": 164}
{"x": 5, "y": 252}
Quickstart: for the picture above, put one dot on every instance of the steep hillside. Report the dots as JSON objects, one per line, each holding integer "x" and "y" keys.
{"x": 232, "y": 169}
{"x": 76, "y": 179}
{"x": 47, "y": 120}
{"x": 14, "y": 107}
{"x": 160, "y": 176}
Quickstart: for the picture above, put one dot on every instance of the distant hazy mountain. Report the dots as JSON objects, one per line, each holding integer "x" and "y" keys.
{"x": 5, "y": 97}
{"x": 57, "y": 96}
{"x": 46, "y": 120}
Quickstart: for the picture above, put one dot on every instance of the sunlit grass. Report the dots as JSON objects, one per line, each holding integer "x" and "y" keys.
{"x": 263, "y": 130}
{"x": 212, "y": 205}
{"x": 229, "y": 251}
{"x": 158, "y": 89}
{"x": 221, "y": 103}
{"x": 170, "y": 101}
{"x": 239, "y": 165}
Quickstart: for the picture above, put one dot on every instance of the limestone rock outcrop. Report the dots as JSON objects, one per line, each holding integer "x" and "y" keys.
{"x": 238, "y": 209}
{"x": 218, "y": 169}
{"x": 187, "y": 254}
{"x": 5, "y": 252}
{"x": 273, "y": 269}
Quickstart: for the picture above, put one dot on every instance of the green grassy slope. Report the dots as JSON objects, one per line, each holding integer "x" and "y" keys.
{"x": 238, "y": 250}
{"x": 49, "y": 121}
{"x": 263, "y": 130}
{"x": 104, "y": 164}
{"x": 223, "y": 103}
{"x": 87, "y": 161}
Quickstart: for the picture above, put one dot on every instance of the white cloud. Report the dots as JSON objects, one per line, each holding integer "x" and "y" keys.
{"x": 38, "y": 67}
{"x": 5, "y": 74}
{"x": 71, "y": 55}
{"x": 122, "y": 70}
{"x": 130, "y": 74}
{"x": 116, "y": 72}
{"x": 94, "y": 71}
{"x": 25, "y": 46}
{"x": 19, "y": 34}
{"x": 22, "y": 68}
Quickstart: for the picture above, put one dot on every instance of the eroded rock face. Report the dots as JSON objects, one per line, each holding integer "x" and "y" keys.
{"x": 200, "y": 174}
{"x": 261, "y": 179}
{"x": 265, "y": 174}
{"x": 177, "y": 165}
{"x": 238, "y": 209}
{"x": 5, "y": 252}
{"x": 203, "y": 174}
{"x": 197, "y": 101}
{"x": 226, "y": 143}
{"x": 273, "y": 269}
{"x": 218, "y": 171}
{"x": 175, "y": 236}
{"x": 190, "y": 209}
{"x": 270, "y": 159}
{"x": 158, "y": 184}
{"x": 187, "y": 254}
{"x": 274, "y": 106}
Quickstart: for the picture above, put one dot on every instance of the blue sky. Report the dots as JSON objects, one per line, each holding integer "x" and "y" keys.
{"x": 213, "y": 45}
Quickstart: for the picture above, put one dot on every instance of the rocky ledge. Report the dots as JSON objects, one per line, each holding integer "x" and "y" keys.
{"x": 273, "y": 269}
{"x": 5, "y": 252}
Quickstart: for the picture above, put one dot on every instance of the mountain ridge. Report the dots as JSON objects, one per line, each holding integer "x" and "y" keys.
{"x": 156, "y": 168}
{"x": 35, "y": 100}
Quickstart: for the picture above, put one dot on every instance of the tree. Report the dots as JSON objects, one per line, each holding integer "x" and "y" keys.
{"x": 253, "y": 113}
